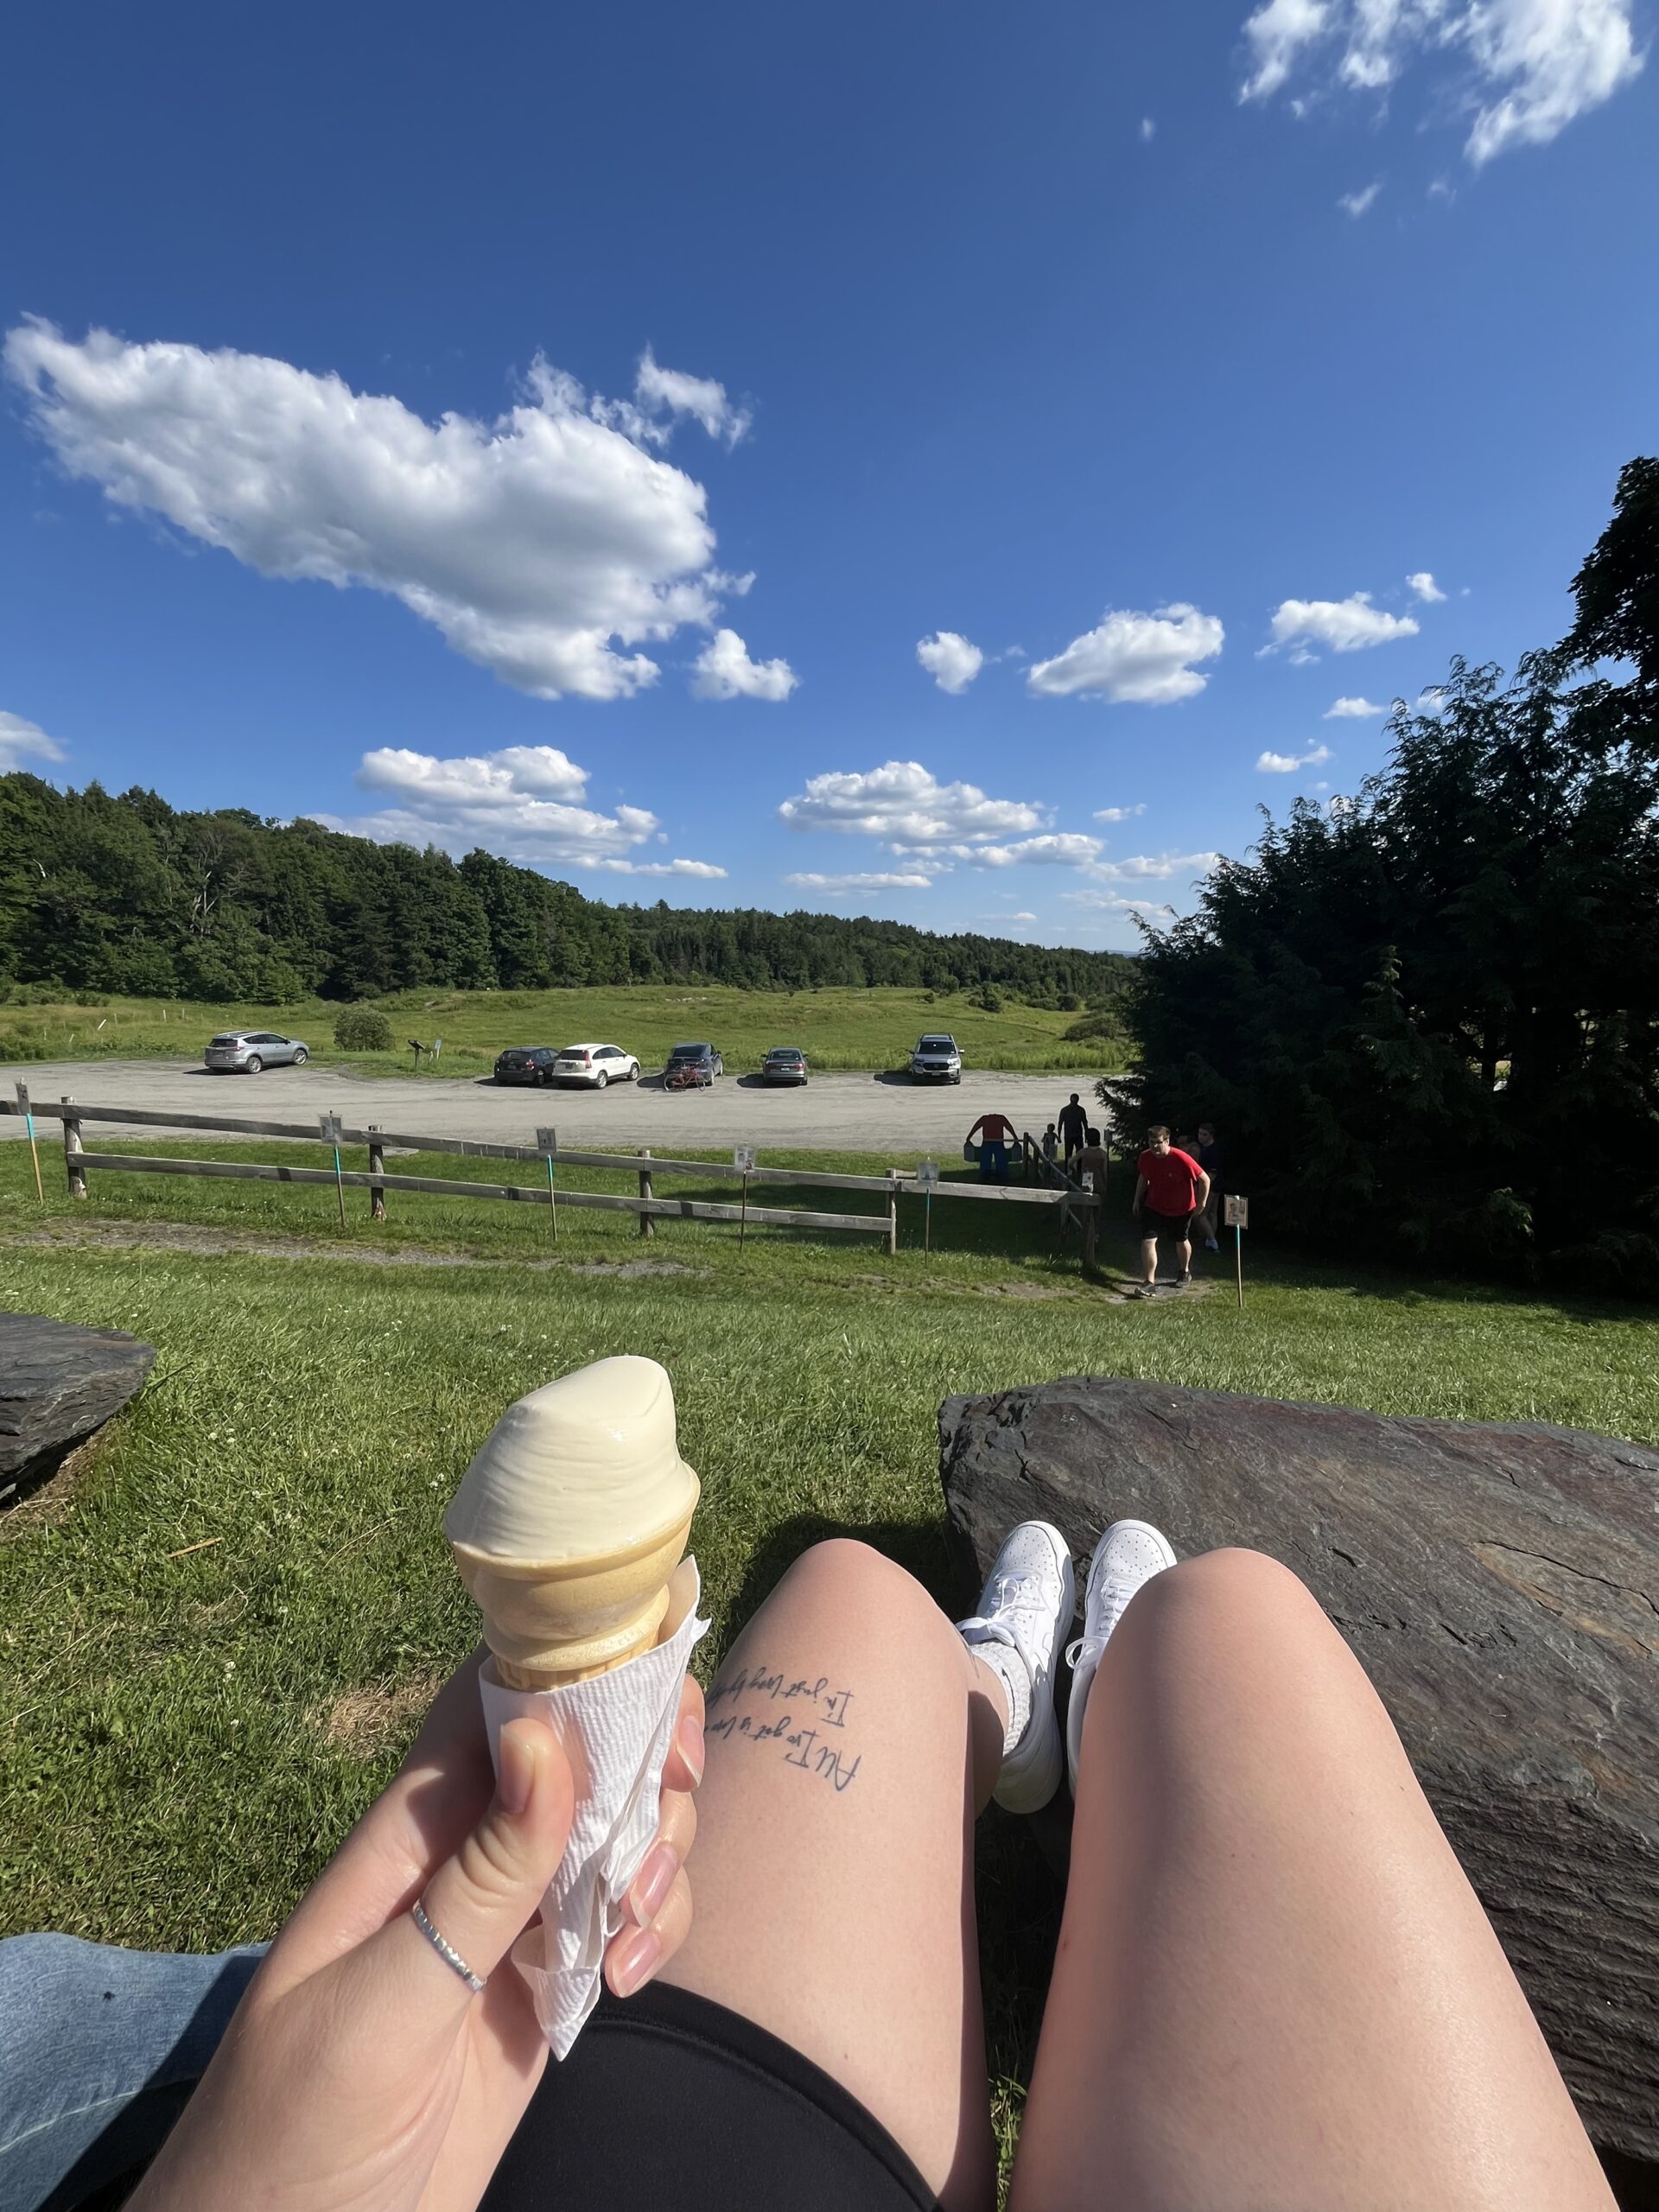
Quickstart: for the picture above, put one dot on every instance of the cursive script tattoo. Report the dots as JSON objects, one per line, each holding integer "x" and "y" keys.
{"x": 791, "y": 1712}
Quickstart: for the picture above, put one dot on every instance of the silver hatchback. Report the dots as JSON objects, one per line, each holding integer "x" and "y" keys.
{"x": 246, "y": 1051}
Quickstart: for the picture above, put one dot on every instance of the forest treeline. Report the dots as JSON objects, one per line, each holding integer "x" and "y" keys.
{"x": 1427, "y": 1018}
{"x": 129, "y": 895}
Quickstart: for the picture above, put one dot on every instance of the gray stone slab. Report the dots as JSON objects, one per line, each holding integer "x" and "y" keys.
{"x": 1500, "y": 1585}
{"x": 58, "y": 1384}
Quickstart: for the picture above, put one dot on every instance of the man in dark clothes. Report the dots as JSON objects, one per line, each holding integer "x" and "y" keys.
{"x": 1209, "y": 1157}
{"x": 1169, "y": 1189}
{"x": 1073, "y": 1126}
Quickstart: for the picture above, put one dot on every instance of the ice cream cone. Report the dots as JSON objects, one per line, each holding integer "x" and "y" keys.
{"x": 570, "y": 1522}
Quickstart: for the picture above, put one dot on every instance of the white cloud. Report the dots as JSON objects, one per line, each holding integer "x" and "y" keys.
{"x": 1014, "y": 918}
{"x": 1119, "y": 813}
{"x": 1347, "y": 625}
{"x": 1055, "y": 849}
{"x": 1148, "y": 129}
{"x": 880, "y": 880}
{"x": 535, "y": 544}
{"x": 1286, "y": 764}
{"x": 1360, "y": 203}
{"x": 1528, "y": 67}
{"x": 1160, "y": 866}
{"x": 705, "y": 401}
{"x": 1351, "y": 710}
{"x": 1425, "y": 587}
{"x": 950, "y": 660}
{"x": 724, "y": 670}
{"x": 1277, "y": 34}
{"x": 21, "y": 740}
{"x": 1132, "y": 656}
{"x": 525, "y": 803}
{"x": 902, "y": 802}
{"x": 1113, "y": 902}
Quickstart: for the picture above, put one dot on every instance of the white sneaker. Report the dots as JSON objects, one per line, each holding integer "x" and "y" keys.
{"x": 1025, "y": 1607}
{"x": 1129, "y": 1553}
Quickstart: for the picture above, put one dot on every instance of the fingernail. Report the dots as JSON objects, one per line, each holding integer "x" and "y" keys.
{"x": 636, "y": 1961}
{"x": 689, "y": 1736}
{"x": 652, "y": 1883}
{"x": 516, "y": 1776}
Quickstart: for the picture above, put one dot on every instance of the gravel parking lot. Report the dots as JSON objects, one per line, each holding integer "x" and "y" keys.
{"x": 848, "y": 1113}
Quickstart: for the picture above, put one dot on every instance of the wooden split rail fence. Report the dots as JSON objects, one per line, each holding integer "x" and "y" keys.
{"x": 649, "y": 1206}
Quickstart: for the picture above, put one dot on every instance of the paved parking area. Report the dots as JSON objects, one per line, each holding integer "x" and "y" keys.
{"x": 845, "y": 1112}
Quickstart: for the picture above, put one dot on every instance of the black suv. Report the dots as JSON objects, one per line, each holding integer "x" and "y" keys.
{"x": 525, "y": 1064}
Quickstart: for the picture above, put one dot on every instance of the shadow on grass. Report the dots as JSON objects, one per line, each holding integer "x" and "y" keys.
{"x": 1398, "y": 1285}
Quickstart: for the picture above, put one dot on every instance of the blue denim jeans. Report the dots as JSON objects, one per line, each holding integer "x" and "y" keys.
{"x": 100, "y": 2050}
{"x": 993, "y": 1162}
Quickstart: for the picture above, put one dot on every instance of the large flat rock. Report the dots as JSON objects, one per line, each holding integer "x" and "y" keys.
{"x": 1501, "y": 1585}
{"x": 58, "y": 1384}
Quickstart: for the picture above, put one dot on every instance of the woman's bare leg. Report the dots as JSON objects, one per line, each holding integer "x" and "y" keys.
{"x": 1275, "y": 1987}
{"x": 852, "y": 1740}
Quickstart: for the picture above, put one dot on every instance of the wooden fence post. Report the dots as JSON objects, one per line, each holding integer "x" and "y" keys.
{"x": 73, "y": 1167}
{"x": 892, "y": 1210}
{"x": 647, "y": 1226}
{"x": 377, "y": 1166}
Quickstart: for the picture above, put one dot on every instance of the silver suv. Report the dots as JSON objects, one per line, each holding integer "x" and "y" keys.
{"x": 936, "y": 1059}
{"x": 244, "y": 1052}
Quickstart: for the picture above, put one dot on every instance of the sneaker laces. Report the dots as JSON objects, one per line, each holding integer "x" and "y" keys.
{"x": 1031, "y": 1593}
{"x": 1093, "y": 1640}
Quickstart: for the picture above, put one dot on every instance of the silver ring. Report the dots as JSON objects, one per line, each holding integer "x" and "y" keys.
{"x": 446, "y": 1952}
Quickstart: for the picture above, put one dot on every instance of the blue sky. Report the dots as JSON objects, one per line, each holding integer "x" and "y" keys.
{"x": 400, "y": 401}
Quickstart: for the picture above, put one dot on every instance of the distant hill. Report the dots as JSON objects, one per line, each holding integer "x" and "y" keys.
{"x": 129, "y": 895}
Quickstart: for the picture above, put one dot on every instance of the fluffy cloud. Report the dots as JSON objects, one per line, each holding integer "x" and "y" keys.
{"x": 724, "y": 670}
{"x": 879, "y": 879}
{"x": 1148, "y": 129}
{"x": 1055, "y": 849}
{"x": 1352, "y": 710}
{"x": 1119, "y": 813}
{"x": 21, "y": 740}
{"x": 1158, "y": 865}
{"x": 1286, "y": 764}
{"x": 1360, "y": 203}
{"x": 1529, "y": 67}
{"x": 1425, "y": 587}
{"x": 1347, "y": 625}
{"x": 1113, "y": 902}
{"x": 535, "y": 544}
{"x": 1142, "y": 658}
{"x": 950, "y": 660}
{"x": 656, "y": 389}
{"x": 525, "y": 803}
{"x": 902, "y": 803}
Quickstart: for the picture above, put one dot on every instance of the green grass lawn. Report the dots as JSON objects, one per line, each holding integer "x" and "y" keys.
{"x": 213, "y": 1644}
{"x": 835, "y": 1029}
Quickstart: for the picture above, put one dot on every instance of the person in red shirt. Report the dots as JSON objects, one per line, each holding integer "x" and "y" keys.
{"x": 997, "y": 1133}
{"x": 1169, "y": 1188}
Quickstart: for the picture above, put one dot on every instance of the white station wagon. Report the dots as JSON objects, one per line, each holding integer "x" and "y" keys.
{"x": 595, "y": 1066}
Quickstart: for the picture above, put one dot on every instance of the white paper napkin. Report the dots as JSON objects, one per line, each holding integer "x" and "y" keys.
{"x": 616, "y": 1730}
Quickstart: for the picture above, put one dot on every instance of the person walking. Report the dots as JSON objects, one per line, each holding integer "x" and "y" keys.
{"x": 1073, "y": 1128}
{"x": 1170, "y": 1187}
{"x": 1209, "y": 1157}
{"x": 1051, "y": 1144}
{"x": 995, "y": 1134}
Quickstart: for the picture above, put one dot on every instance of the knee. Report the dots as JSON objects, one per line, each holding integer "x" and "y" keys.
{"x": 846, "y": 1580}
{"x": 1230, "y": 1600}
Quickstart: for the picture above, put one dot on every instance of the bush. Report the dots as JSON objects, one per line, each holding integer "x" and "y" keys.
{"x": 362, "y": 1029}
{"x": 989, "y": 999}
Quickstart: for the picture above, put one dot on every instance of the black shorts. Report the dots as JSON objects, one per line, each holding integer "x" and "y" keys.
{"x": 670, "y": 2103}
{"x": 1154, "y": 1224}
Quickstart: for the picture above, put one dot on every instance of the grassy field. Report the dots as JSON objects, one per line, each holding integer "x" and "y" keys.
{"x": 214, "y": 1641}
{"x": 835, "y": 1029}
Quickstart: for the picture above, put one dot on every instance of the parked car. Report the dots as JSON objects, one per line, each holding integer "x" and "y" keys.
{"x": 525, "y": 1064}
{"x": 595, "y": 1066}
{"x": 244, "y": 1052}
{"x": 936, "y": 1059}
{"x": 692, "y": 1067}
{"x": 784, "y": 1064}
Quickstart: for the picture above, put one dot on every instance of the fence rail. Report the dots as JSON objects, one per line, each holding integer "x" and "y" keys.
{"x": 649, "y": 1207}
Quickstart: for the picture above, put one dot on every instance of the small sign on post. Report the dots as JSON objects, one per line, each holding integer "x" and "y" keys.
{"x": 546, "y": 1143}
{"x": 1235, "y": 1216}
{"x": 329, "y": 1124}
{"x": 743, "y": 1160}
{"x": 927, "y": 1181}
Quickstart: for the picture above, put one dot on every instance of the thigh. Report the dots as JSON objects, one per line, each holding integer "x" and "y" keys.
{"x": 833, "y": 1873}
